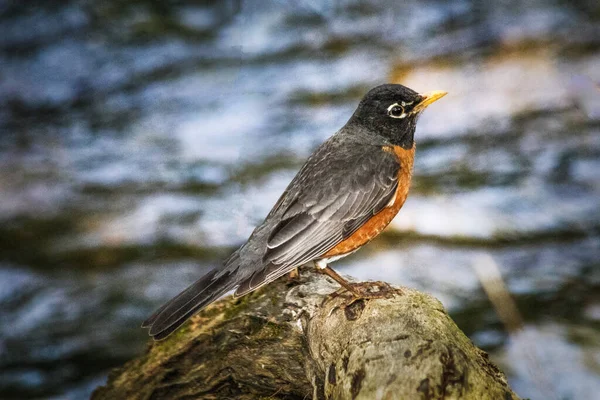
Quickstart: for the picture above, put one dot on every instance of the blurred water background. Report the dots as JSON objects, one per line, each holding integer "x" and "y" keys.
{"x": 141, "y": 141}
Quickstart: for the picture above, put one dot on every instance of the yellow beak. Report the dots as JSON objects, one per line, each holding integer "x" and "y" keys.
{"x": 429, "y": 98}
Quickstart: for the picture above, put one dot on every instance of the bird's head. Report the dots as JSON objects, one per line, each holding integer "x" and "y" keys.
{"x": 391, "y": 111}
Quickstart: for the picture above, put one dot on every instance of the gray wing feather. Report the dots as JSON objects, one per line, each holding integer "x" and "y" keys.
{"x": 327, "y": 202}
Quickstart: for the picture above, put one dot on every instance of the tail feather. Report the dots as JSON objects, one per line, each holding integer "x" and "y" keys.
{"x": 176, "y": 325}
{"x": 172, "y": 315}
{"x": 148, "y": 323}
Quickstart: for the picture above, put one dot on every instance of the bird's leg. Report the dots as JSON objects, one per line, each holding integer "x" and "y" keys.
{"x": 323, "y": 268}
{"x": 358, "y": 290}
{"x": 294, "y": 274}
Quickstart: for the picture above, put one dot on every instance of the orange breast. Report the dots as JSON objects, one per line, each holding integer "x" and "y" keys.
{"x": 375, "y": 225}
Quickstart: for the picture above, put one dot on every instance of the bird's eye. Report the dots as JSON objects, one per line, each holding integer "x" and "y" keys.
{"x": 396, "y": 111}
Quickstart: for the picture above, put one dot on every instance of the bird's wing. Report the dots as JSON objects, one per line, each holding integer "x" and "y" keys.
{"x": 330, "y": 198}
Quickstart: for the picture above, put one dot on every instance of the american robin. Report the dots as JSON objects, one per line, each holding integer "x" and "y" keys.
{"x": 346, "y": 193}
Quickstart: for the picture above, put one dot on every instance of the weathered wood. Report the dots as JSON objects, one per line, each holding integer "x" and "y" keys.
{"x": 297, "y": 341}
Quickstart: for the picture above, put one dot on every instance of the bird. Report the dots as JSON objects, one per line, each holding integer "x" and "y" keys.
{"x": 345, "y": 194}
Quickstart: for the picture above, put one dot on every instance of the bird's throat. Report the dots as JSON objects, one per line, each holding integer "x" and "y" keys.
{"x": 404, "y": 137}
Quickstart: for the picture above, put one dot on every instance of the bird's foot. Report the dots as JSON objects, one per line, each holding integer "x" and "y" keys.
{"x": 293, "y": 276}
{"x": 371, "y": 290}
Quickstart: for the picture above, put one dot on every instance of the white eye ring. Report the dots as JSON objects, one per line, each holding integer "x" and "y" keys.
{"x": 393, "y": 108}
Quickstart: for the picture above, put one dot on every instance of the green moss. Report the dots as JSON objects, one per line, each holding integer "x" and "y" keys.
{"x": 213, "y": 310}
{"x": 237, "y": 306}
{"x": 274, "y": 300}
{"x": 271, "y": 330}
{"x": 170, "y": 345}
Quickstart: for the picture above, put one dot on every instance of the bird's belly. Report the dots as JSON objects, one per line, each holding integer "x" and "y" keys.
{"x": 333, "y": 258}
{"x": 381, "y": 220}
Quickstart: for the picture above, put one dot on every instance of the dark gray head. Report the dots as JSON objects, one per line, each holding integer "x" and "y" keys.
{"x": 390, "y": 112}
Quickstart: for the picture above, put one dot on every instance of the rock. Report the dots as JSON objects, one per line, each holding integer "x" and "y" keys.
{"x": 302, "y": 339}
